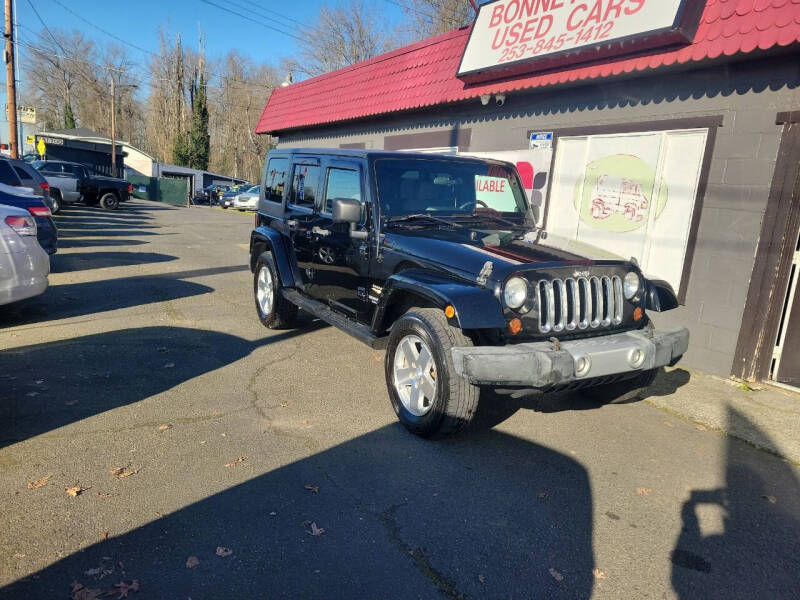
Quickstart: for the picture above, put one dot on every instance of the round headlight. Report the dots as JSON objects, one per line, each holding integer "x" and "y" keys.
{"x": 516, "y": 292}
{"x": 630, "y": 285}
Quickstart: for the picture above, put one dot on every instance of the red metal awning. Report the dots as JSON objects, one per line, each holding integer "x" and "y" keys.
{"x": 424, "y": 74}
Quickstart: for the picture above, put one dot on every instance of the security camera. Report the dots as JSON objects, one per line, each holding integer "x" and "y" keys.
{"x": 485, "y": 99}
{"x": 500, "y": 99}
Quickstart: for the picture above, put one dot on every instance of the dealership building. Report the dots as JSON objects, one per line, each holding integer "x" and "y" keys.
{"x": 667, "y": 131}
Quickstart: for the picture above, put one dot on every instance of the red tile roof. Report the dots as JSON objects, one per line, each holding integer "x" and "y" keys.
{"x": 423, "y": 74}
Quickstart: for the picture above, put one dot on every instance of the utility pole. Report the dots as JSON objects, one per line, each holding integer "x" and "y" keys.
{"x": 11, "y": 82}
{"x": 113, "y": 128}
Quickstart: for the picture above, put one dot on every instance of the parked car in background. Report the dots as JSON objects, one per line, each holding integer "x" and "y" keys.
{"x": 46, "y": 230}
{"x": 72, "y": 182}
{"x": 247, "y": 200}
{"x": 226, "y": 199}
{"x": 18, "y": 173}
{"x": 24, "y": 265}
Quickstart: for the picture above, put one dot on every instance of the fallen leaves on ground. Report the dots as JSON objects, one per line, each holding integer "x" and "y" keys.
{"x": 123, "y": 588}
{"x": 105, "y": 534}
{"x": 233, "y": 463}
{"x": 103, "y": 495}
{"x": 123, "y": 472}
{"x": 316, "y": 531}
{"x": 598, "y": 574}
{"x": 223, "y": 551}
{"x": 164, "y": 427}
{"x": 770, "y": 499}
{"x": 284, "y": 404}
{"x": 312, "y": 488}
{"x": 304, "y": 422}
{"x": 75, "y": 490}
{"x": 643, "y": 491}
{"x": 33, "y": 485}
{"x": 556, "y": 575}
{"x": 700, "y": 427}
{"x": 192, "y": 562}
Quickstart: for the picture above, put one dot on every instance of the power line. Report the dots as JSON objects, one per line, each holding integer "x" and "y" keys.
{"x": 264, "y": 11}
{"x": 38, "y": 16}
{"x": 146, "y": 51}
{"x": 252, "y": 20}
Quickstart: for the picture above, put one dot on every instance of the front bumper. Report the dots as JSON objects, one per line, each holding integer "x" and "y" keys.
{"x": 543, "y": 364}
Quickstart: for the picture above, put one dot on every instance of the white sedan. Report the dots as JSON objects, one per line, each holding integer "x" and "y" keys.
{"x": 24, "y": 266}
{"x": 247, "y": 200}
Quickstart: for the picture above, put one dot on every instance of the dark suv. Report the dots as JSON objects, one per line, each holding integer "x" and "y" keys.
{"x": 438, "y": 259}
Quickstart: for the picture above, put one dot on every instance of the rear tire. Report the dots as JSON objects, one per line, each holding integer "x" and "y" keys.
{"x": 622, "y": 391}
{"x": 274, "y": 311}
{"x": 109, "y": 201}
{"x": 427, "y": 395}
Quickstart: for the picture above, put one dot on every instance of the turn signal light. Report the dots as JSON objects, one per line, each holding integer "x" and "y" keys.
{"x": 515, "y": 326}
{"x": 449, "y": 311}
{"x": 638, "y": 313}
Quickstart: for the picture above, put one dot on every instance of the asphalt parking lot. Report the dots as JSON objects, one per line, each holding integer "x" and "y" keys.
{"x": 218, "y": 459}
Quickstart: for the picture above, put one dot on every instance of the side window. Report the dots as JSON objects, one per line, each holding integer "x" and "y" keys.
{"x": 52, "y": 168}
{"x": 22, "y": 174}
{"x": 7, "y": 174}
{"x": 275, "y": 179}
{"x": 304, "y": 185}
{"x": 341, "y": 183}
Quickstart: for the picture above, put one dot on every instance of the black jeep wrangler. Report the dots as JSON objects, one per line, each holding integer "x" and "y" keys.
{"x": 438, "y": 259}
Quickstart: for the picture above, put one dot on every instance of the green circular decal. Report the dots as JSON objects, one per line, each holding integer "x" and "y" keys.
{"x": 616, "y": 193}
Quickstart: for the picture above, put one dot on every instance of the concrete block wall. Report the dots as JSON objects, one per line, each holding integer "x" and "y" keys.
{"x": 748, "y": 96}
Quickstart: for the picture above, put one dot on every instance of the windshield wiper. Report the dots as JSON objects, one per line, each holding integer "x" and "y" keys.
{"x": 421, "y": 217}
{"x": 481, "y": 214}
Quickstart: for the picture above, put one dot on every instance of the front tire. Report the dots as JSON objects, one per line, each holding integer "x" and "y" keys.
{"x": 109, "y": 201}
{"x": 274, "y": 311}
{"x": 427, "y": 395}
{"x": 621, "y": 392}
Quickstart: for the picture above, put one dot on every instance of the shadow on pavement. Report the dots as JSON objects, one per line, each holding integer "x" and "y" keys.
{"x": 65, "y": 263}
{"x": 96, "y": 243}
{"x": 81, "y": 377}
{"x": 741, "y": 540}
{"x": 496, "y": 516}
{"x": 77, "y": 299}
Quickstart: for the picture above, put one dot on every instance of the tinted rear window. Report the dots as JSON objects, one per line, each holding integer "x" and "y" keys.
{"x": 7, "y": 174}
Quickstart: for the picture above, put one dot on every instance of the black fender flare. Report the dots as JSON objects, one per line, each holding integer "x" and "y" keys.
{"x": 660, "y": 296}
{"x": 264, "y": 239}
{"x": 475, "y": 307}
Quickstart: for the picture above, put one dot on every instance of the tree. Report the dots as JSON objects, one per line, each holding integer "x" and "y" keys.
{"x": 69, "y": 117}
{"x": 343, "y": 35}
{"x": 199, "y": 138}
{"x": 432, "y": 17}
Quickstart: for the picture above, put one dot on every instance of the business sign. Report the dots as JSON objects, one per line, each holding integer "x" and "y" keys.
{"x": 27, "y": 114}
{"x": 511, "y": 37}
{"x": 541, "y": 139}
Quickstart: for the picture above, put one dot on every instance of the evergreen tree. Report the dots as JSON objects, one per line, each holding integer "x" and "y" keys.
{"x": 181, "y": 152}
{"x": 69, "y": 117}
{"x": 199, "y": 138}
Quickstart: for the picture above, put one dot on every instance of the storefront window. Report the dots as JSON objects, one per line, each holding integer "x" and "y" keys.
{"x": 422, "y": 186}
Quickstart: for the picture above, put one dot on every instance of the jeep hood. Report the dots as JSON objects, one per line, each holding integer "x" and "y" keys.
{"x": 464, "y": 252}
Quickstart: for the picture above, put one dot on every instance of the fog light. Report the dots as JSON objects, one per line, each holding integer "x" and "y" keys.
{"x": 515, "y": 326}
{"x": 582, "y": 366}
{"x": 636, "y": 358}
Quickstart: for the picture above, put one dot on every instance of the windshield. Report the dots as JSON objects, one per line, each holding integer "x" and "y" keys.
{"x": 414, "y": 186}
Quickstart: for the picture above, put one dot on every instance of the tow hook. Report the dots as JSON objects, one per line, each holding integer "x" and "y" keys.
{"x": 556, "y": 344}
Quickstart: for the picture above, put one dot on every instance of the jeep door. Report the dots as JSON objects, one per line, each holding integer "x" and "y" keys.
{"x": 341, "y": 264}
{"x": 301, "y": 216}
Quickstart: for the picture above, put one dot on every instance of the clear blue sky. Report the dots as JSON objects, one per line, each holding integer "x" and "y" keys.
{"x": 138, "y": 22}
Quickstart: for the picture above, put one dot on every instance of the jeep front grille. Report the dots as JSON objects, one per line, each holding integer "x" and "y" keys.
{"x": 581, "y": 303}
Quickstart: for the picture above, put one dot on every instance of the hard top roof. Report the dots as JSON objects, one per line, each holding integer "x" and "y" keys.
{"x": 366, "y": 153}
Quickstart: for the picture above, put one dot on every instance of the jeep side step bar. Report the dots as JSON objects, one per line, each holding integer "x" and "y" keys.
{"x": 359, "y": 331}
